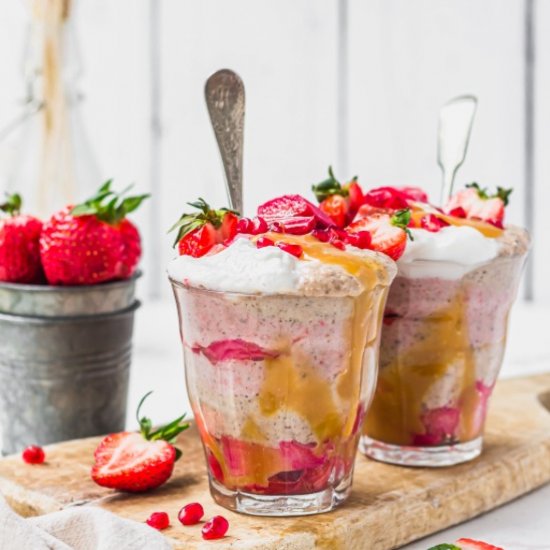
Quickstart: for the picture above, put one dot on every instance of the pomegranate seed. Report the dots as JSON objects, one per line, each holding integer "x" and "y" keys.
{"x": 277, "y": 227}
{"x": 216, "y": 528}
{"x": 432, "y": 223}
{"x": 158, "y": 520}
{"x": 361, "y": 239}
{"x": 338, "y": 244}
{"x": 191, "y": 514}
{"x": 321, "y": 235}
{"x": 34, "y": 455}
{"x": 458, "y": 212}
{"x": 244, "y": 225}
{"x": 259, "y": 226}
{"x": 294, "y": 249}
{"x": 338, "y": 234}
{"x": 262, "y": 242}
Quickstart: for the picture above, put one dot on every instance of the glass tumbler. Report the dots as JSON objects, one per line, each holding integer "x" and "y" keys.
{"x": 279, "y": 386}
{"x": 443, "y": 341}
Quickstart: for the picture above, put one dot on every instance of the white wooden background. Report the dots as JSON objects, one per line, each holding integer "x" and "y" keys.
{"x": 356, "y": 83}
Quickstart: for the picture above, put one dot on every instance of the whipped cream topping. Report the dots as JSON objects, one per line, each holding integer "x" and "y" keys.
{"x": 459, "y": 249}
{"x": 244, "y": 268}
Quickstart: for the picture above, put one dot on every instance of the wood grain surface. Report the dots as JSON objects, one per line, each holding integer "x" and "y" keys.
{"x": 389, "y": 505}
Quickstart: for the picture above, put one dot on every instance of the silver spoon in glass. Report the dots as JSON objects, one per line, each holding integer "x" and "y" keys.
{"x": 456, "y": 119}
{"x": 224, "y": 95}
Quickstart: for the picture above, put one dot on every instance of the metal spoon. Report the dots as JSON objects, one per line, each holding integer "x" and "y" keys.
{"x": 456, "y": 119}
{"x": 224, "y": 94}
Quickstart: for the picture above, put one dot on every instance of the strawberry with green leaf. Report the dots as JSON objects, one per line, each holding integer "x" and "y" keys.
{"x": 19, "y": 244}
{"x": 338, "y": 201}
{"x": 199, "y": 232}
{"x": 137, "y": 462}
{"x": 476, "y": 202}
{"x": 93, "y": 242}
{"x": 388, "y": 231}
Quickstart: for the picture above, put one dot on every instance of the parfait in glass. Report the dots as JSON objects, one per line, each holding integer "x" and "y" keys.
{"x": 280, "y": 332}
{"x": 445, "y": 323}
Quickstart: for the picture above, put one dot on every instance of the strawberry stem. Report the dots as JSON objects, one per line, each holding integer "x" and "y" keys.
{"x": 168, "y": 433}
{"x": 12, "y": 206}
{"x": 115, "y": 209}
{"x": 402, "y": 219}
{"x": 330, "y": 186}
{"x": 190, "y": 222}
{"x": 502, "y": 193}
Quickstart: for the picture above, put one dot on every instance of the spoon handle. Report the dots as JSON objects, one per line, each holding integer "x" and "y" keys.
{"x": 224, "y": 94}
{"x": 456, "y": 119}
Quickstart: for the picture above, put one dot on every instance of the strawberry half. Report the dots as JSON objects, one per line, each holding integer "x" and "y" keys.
{"x": 19, "y": 244}
{"x": 340, "y": 202}
{"x": 137, "y": 462}
{"x": 476, "y": 203}
{"x": 388, "y": 231}
{"x": 282, "y": 208}
{"x": 92, "y": 242}
{"x": 199, "y": 232}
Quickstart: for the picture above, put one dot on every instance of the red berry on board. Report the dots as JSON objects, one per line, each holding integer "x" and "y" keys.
{"x": 191, "y": 514}
{"x": 34, "y": 455}
{"x": 216, "y": 528}
{"x": 262, "y": 242}
{"x": 158, "y": 520}
{"x": 294, "y": 249}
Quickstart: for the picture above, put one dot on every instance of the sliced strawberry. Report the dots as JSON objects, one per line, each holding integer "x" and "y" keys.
{"x": 470, "y": 544}
{"x": 234, "y": 350}
{"x": 388, "y": 233}
{"x": 198, "y": 242}
{"x": 136, "y": 462}
{"x": 440, "y": 425}
{"x": 336, "y": 207}
{"x": 356, "y": 196}
{"x": 478, "y": 204}
{"x": 387, "y": 197}
{"x": 432, "y": 223}
{"x": 228, "y": 226}
{"x": 414, "y": 194}
{"x": 291, "y": 206}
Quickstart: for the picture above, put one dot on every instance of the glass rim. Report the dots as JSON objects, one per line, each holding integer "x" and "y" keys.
{"x": 183, "y": 286}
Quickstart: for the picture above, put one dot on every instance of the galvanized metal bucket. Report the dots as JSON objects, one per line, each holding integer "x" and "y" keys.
{"x": 64, "y": 361}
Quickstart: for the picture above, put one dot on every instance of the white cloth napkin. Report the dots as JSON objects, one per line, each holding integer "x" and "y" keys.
{"x": 77, "y": 528}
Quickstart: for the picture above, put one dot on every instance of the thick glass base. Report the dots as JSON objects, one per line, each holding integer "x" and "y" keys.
{"x": 434, "y": 457}
{"x": 280, "y": 505}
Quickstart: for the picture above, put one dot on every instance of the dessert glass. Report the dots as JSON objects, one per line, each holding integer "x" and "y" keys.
{"x": 442, "y": 346}
{"x": 279, "y": 385}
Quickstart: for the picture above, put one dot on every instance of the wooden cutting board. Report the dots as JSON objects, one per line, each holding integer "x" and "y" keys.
{"x": 389, "y": 506}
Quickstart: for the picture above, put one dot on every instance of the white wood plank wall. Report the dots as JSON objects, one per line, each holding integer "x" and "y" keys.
{"x": 356, "y": 83}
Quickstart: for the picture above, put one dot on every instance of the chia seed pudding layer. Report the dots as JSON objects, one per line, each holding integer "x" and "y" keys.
{"x": 442, "y": 346}
{"x": 279, "y": 383}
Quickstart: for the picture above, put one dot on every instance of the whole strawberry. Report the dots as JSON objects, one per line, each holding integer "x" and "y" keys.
{"x": 92, "y": 242}
{"x": 19, "y": 244}
{"x": 137, "y": 462}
